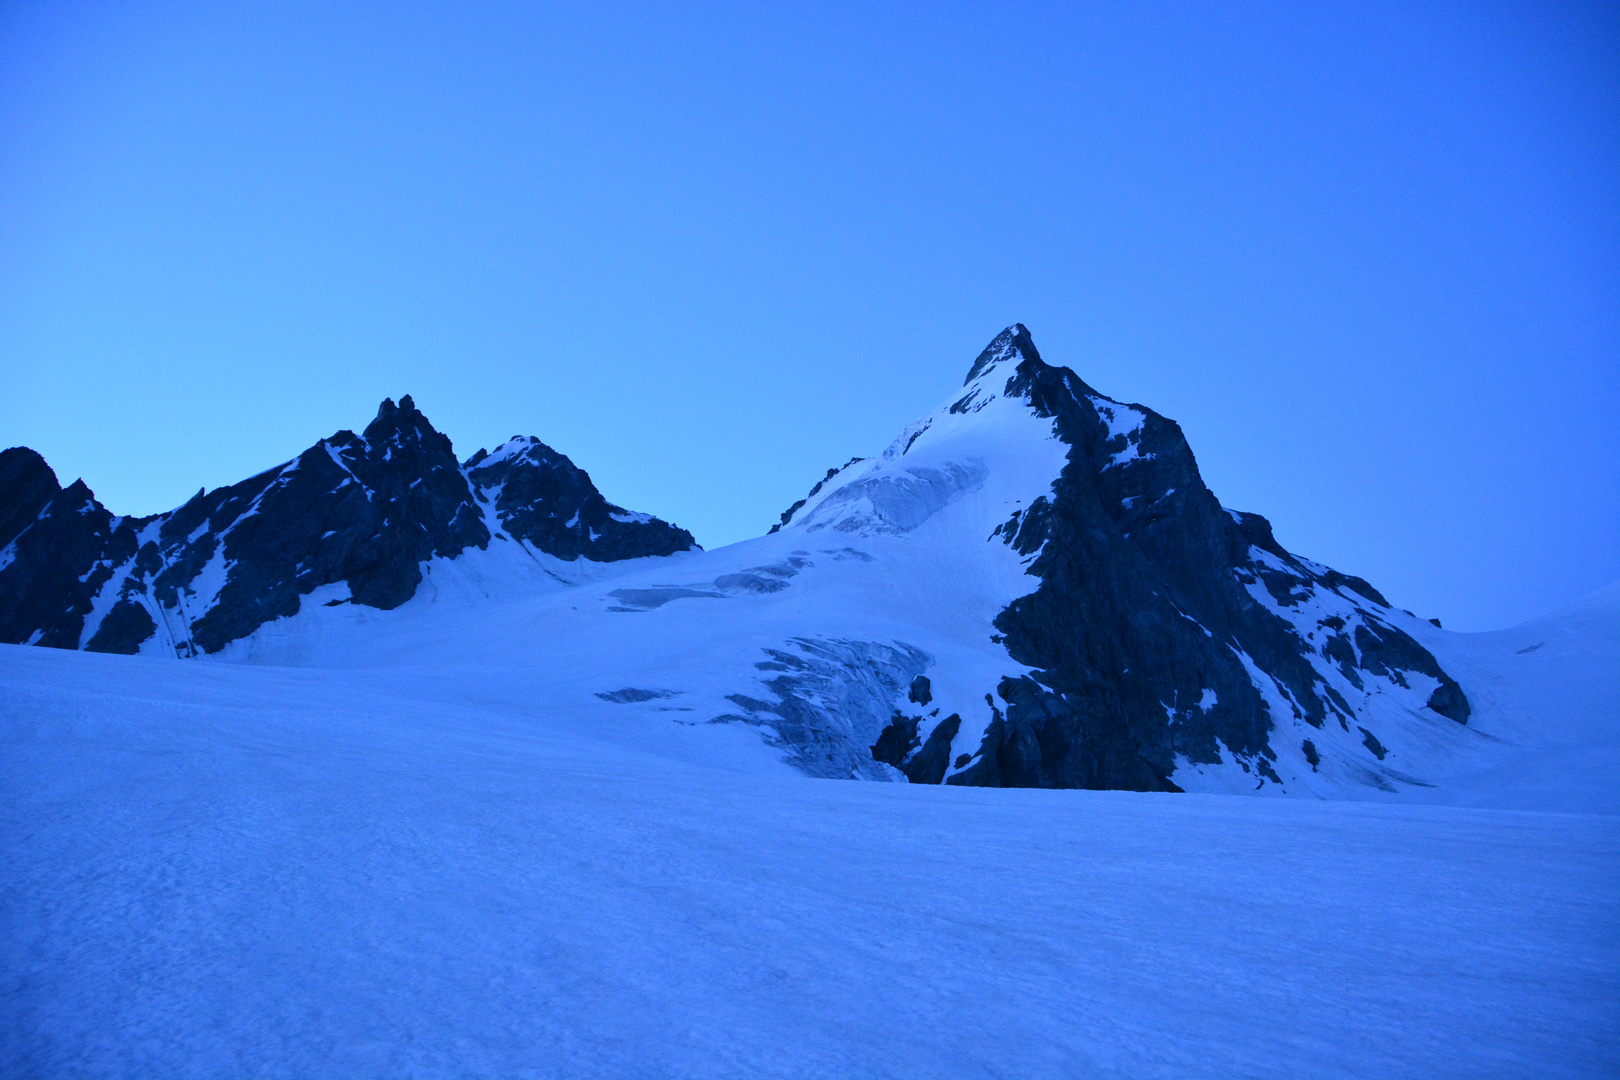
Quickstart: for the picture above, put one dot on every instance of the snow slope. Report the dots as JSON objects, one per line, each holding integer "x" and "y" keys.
{"x": 1547, "y": 694}
{"x": 215, "y": 870}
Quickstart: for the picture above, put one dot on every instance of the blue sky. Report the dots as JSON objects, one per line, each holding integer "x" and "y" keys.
{"x": 1367, "y": 255}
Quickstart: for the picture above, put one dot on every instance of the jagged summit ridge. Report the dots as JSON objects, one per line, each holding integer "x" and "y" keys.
{"x": 363, "y": 511}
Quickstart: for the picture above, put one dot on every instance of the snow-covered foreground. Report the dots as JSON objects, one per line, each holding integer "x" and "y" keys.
{"x": 219, "y": 870}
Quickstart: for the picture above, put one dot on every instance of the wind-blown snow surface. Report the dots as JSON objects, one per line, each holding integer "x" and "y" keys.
{"x": 214, "y": 870}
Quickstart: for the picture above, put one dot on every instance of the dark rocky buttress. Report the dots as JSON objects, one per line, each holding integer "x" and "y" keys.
{"x": 363, "y": 510}
{"x": 54, "y": 543}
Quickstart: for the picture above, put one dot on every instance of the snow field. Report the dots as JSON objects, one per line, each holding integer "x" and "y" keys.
{"x": 215, "y": 870}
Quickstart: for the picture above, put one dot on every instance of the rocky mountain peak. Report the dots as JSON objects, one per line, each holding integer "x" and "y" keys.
{"x": 1162, "y": 634}
{"x": 1012, "y": 344}
{"x": 529, "y": 484}
{"x": 388, "y": 408}
{"x": 404, "y": 425}
{"x": 27, "y": 484}
{"x": 362, "y": 515}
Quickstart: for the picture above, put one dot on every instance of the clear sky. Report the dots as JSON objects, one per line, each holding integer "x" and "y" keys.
{"x": 1367, "y": 254}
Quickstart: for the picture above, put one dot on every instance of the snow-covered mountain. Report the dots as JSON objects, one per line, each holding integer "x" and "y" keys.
{"x": 364, "y": 511}
{"x": 1031, "y": 586}
{"x": 466, "y": 772}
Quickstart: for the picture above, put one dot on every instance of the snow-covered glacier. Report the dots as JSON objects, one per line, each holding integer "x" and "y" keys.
{"x": 433, "y": 767}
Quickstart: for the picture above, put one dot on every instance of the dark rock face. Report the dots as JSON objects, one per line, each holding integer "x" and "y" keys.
{"x": 55, "y": 547}
{"x": 1309, "y": 750}
{"x": 542, "y": 497}
{"x": 364, "y": 510}
{"x": 1157, "y": 613}
{"x": 924, "y": 761}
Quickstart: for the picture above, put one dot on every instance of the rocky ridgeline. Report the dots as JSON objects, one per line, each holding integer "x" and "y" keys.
{"x": 365, "y": 510}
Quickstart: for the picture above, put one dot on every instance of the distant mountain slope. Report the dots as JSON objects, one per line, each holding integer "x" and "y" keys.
{"x": 1158, "y": 633}
{"x": 366, "y": 511}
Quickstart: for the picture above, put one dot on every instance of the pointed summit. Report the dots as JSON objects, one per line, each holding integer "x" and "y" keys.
{"x": 404, "y": 411}
{"x": 1013, "y": 343}
{"x": 405, "y": 419}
